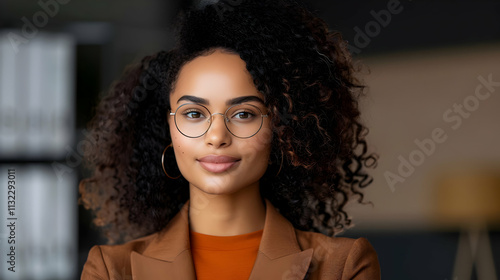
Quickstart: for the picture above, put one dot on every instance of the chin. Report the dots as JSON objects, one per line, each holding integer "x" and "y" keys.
{"x": 220, "y": 185}
{"x": 213, "y": 183}
{"x": 216, "y": 189}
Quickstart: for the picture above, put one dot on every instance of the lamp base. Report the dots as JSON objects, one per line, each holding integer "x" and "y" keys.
{"x": 474, "y": 247}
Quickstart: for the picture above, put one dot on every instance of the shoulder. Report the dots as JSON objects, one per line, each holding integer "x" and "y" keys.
{"x": 113, "y": 261}
{"x": 340, "y": 257}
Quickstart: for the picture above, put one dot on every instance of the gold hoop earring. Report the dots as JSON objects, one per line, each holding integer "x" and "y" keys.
{"x": 281, "y": 164}
{"x": 162, "y": 165}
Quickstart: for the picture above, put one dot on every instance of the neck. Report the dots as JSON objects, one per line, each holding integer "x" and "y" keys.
{"x": 226, "y": 214}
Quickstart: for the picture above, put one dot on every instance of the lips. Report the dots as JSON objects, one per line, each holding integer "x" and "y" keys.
{"x": 217, "y": 164}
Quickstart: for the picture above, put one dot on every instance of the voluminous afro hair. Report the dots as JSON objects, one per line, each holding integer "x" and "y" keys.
{"x": 319, "y": 153}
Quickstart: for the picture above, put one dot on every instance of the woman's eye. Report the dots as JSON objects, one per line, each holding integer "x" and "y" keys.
{"x": 244, "y": 115}
{"x": 193, "y": 114}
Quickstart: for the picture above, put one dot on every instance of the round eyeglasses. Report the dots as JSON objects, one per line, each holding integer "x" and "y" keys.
{"x": 242, "y": 120}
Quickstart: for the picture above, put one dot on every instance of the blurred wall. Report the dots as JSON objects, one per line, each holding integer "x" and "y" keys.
{"x": 411, "y": 96}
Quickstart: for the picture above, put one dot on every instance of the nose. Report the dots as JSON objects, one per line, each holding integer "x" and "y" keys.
{"x": 217, "y": 134}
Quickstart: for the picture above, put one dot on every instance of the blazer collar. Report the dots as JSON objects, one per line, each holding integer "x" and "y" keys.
{"x": 168, "y": 256}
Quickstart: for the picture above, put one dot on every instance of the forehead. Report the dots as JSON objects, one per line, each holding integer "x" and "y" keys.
{"x": 216, "y": 77}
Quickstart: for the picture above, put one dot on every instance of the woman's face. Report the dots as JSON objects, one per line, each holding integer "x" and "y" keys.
{"x": 218, "y": 162}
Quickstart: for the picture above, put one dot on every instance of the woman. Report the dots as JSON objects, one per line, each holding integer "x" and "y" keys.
{"x": 233, "y": 155}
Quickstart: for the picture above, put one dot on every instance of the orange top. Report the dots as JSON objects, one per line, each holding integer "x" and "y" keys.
{"x": 224, "y": 257}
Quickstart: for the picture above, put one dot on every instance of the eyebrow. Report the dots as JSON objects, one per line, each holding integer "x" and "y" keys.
{"x": 233, "y": 101}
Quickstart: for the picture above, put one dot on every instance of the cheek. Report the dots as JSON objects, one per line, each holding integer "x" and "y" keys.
{"x": 258, "y": 147}
{"x": 178, "y": 142}
{"x": 174, "y": 133}
{"x": 261, "y": 142}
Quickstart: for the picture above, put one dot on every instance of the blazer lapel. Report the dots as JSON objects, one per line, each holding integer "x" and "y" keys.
{"x": 150, "y": 268}
{"x": 280, "y": 256}
{"x": 168, "y": 256}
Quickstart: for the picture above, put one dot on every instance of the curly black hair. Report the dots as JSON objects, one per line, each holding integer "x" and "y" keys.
{"x": 319, "y": 154}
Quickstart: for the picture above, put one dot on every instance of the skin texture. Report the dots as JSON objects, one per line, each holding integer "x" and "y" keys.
{"x": 227, "y": 203}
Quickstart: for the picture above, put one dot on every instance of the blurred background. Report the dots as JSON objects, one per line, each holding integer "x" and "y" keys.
{"x": 433, "y": 71}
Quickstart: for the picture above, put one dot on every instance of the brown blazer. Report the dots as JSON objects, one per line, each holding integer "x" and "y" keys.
{"x": 284, "y": 253}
